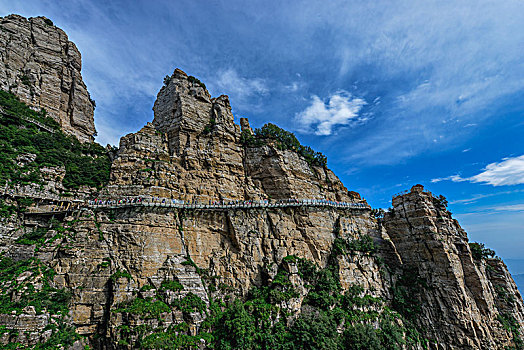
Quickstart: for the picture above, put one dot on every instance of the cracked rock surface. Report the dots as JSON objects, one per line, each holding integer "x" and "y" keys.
{"x": 42, "y": 67}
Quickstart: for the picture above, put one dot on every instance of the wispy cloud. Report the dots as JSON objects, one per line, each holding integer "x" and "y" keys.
{"x": 293, "y": 87}
{"x": 510, "y": 171}
{"x": 513, "y": 207}
{"x": 475, "y": 198}
{"x": 454, "y": 178}
{"x": 242, "y": 91}
{"x": 427, "y": 59}
{"x": 494, "y": 210}
{"x": 457, "y": 59}
{"x": 321, "y": 117}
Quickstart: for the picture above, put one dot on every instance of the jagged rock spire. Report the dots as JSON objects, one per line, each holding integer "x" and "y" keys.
{"x": 42, "y": 67}
{"x": 184, "y": 110}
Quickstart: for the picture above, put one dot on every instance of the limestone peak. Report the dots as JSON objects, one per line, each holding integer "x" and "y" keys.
{"x": 42, "y": 67}
{"x": 185, "y": 111}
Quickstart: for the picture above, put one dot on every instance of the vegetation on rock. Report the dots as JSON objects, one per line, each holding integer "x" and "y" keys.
{"x": 363, "y": 243}
{"x": 21, "y": 136}
{"x": 29, "y": 283}
{"x": 284, "y": 140}
{"x": 194, "y": 80}
{"x": 479, "y": 251}
{"x": 329, "y": 319}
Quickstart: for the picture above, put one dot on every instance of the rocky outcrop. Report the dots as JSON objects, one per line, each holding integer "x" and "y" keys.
{"x": 193, "y": 151}
{"x": 462, "y": 298}
{"x": 42, "y": 67}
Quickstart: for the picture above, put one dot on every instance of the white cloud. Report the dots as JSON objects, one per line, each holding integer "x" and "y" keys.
{"x": 427, "y": 59}
{"x": 458, "y": 59}
{"x": 512, "y": 207}
{"x": 493, "y": 210}
{"x": 477, "y": 197}
{"x": 454, "y": 178}
{"x": 510, "y": 171}
{"x": 321, "y": 117}
{"x": 240, "y": 89}
{"x": 293, "y": 87}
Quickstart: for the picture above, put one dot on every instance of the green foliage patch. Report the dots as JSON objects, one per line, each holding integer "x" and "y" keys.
{"x": 45, "y": 299}
{"x": 330, "y": 318}
{"x": 6, "y": 210}
{"x": 504, "y": 294}
{"x": 407, "y": 293}
{"x": 172, "y": 337}
{"x": 479, "y": 251}
{"x": 148, "y": 307}
{"x": 209, "y": 127}
{"x": 121, "y": 274}
{"x": 510, "y": 324}
{"x": 171, "y": 285}
{"x": 41, "y": 236}
{"x": 37, "y": 235}
{"x": 85, "y": 163}
{"x": 194, "y": 80}
{"x": 190, "y": 303}
{"x": 284, "y": 140}
{"x": 363, "y": 243}
{"x": 48, "y": 22}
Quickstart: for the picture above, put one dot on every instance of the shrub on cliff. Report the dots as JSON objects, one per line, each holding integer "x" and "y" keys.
{"x": 194, "y": 80}
{"x": 479, "y": 251}
{"x": 330, "y": 318}
{"x": 20, "y": 135}
{"x": 284, "y": 140}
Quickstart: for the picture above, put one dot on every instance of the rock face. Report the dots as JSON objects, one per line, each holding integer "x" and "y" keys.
{"x": 193, "y": 151}
{"x": 41, "y": 66}
{"x": 142, "y": 271}
{"x": 462, "y": 296}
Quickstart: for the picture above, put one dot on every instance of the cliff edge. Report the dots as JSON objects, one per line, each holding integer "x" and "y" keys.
{"x": 42, "y": 67}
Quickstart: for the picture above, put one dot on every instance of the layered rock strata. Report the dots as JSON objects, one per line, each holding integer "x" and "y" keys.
{"x": 193, "y": 151}
{"x": 42, "y": 67}
{"x": 461, "y": 296}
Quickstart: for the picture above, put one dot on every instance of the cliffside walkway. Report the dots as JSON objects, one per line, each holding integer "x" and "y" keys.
{"x": 30, "y": 120}
{"x": 60, "y": 205}
{"x": 70, "y": 206}
{"x": 173, "y": 203}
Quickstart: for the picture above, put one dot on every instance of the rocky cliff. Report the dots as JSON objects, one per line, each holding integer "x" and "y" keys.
{"x": 137, "y": 273}
{"x": 193, "y": 150}
{"x": 41, "y": 66}
{"x": 464, "y": 295}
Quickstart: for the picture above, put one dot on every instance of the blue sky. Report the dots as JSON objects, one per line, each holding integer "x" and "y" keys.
{"x": 393, "y": 92}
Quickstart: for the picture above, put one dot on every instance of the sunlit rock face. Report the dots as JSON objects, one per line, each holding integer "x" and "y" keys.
{"x": 192, "y": 150}
{"x": 41, "y": 66}
{"x": 462, "y": 298}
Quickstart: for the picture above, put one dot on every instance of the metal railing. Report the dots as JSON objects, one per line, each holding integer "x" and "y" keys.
{"x": 221, "y": 205}
{"x": 31, "y": 120}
